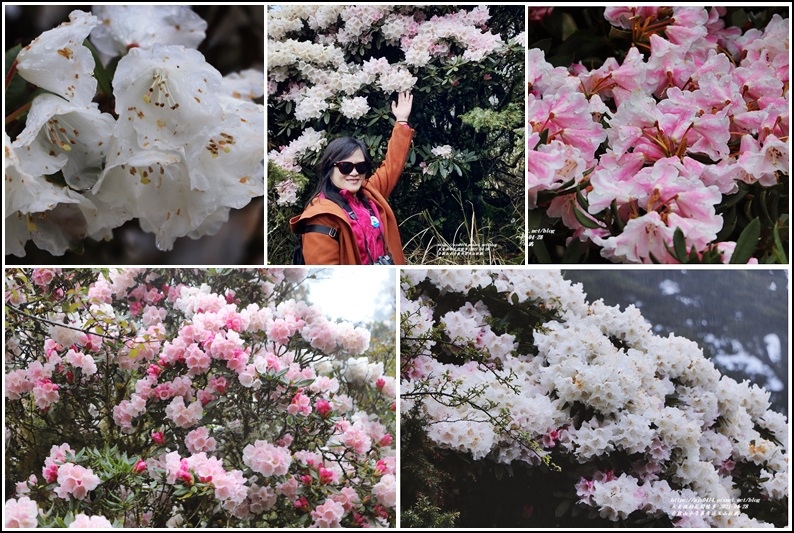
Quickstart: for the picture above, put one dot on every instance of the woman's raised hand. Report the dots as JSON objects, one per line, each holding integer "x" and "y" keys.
{"x": 402, "y": 107}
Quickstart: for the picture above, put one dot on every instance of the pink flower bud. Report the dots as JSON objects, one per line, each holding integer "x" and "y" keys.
{"x": 323, "y": 407}
{"x": 158, "y": 437}
{"x": 154, "y": 370}
{"x": 385, "y": 440}
{"x": 302, "y": 503}
{"x": 326, "y": 476}
{"x": 50, "y": 473}
{"x": 139, "y": 467}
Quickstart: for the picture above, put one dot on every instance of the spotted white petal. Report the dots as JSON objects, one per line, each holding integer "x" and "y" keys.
{"x": 52, "y": 216}
{"x": 126, "y": 27}
{"x": 246, "y": 85}
{"x": 168, "y": 94}
{"x": 61, "y": 135}
{"x": 155, "y": 186}
{"x": 56, "y": 230}
{"x": 25, "y": 192}
{"x": 230, "y": 163}
{"x": 57, "y": 60}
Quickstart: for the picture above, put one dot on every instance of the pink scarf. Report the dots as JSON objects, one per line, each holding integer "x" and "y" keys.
{"x": 368, "y": 237}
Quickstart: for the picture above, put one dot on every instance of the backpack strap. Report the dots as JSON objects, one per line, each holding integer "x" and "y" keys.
{"x": 297, "y": 253}
{"x": 319, "y": 228}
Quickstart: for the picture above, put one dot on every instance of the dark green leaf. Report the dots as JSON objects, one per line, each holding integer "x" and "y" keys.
{"x": 539, "y": 250}
{"x": 747, "y": 242}
{"x": 575, "y": 252}
{"x": 728, "y": 225}
{"x": 101, "y": 75}
{"x": 585, "y": 221}
{"x": 581, "y": 200}
{"x": 562, "y": 508}
{"x": 779, "y": 251}
{"x": 733, "y": 199}
{"x": 679, "y": 245}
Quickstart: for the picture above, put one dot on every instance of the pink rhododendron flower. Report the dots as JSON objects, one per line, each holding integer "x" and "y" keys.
{"x": 300, "y": 405}
{"x": 328, "y": 514}
{"x": 17, "y": 384}
{"x": 267, "y": 459}
{"x": 348, "y": 497}
{"x": 356, "y": 438}
{"x": 44, "y": 276}
{"x": 139, "y": 467}
{"x": 83, "y": 521}
{"x": 45, "y": 393}
{"x": 184, "y": 416}
{"x": 385, "y": 490}
{"x": 21, "y": 513}
{"x": 199, "y": 440}
{"x": 158, "y": 437}
{"x": 76, "y": 481}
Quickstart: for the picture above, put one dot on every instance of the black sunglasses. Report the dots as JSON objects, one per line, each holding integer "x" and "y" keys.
{"x": 346, "y": 167}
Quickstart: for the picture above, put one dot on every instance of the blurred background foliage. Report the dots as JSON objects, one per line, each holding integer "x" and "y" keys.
{"x": 234, "y": 41}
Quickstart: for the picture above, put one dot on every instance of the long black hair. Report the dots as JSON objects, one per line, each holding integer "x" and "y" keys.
{"x": 337, "y": 150}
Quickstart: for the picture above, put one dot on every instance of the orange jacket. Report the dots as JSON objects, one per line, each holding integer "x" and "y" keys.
{"x": 321, "y": 249}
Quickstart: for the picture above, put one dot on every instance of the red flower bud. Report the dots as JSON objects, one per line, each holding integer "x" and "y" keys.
{"x": 139, "y": 467}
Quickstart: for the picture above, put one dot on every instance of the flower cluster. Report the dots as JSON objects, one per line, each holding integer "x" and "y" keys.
{"x": 239, "y": 406}
{"x": 644, "y": 421}
{"x": 629, "y": 153}
{"x": 181, "y": 146}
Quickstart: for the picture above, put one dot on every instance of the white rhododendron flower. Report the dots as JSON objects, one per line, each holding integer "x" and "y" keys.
{"x": 354, "y": 108}
{"x": 248, "y": 84}
{"x": 229, "y": 159}
{"x": 596, "y": 384}
{"x": 57, "y": 60}
{"x": 444, "y": 152}
{"x": 184, "y": 147}
{"x": 126, "y": 27}
{"x": 155, "y": 187}
{"x": 53, "y": 217}
{"x": 61, "y": 135}
{"x": 168, "y": 94}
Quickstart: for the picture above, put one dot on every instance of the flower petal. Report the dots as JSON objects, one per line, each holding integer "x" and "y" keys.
{"x": 57, "y": 60}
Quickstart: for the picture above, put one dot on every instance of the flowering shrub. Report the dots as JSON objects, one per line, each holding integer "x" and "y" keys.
{"x": 596, "y": 420}
{"x": 668, "y": 145}
{"x": 126, "y": 124}
{"x": 333, "y": 70}
{"x": 190, "y": 398}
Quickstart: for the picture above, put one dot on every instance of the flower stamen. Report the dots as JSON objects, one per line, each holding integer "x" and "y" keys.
{"x": 215, "y": 146}
{"x": 61, "y": 134}
{"x": 159, "y": 93}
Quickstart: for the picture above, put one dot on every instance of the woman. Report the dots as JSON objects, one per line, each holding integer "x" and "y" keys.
{"x": 348, "y": 220}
